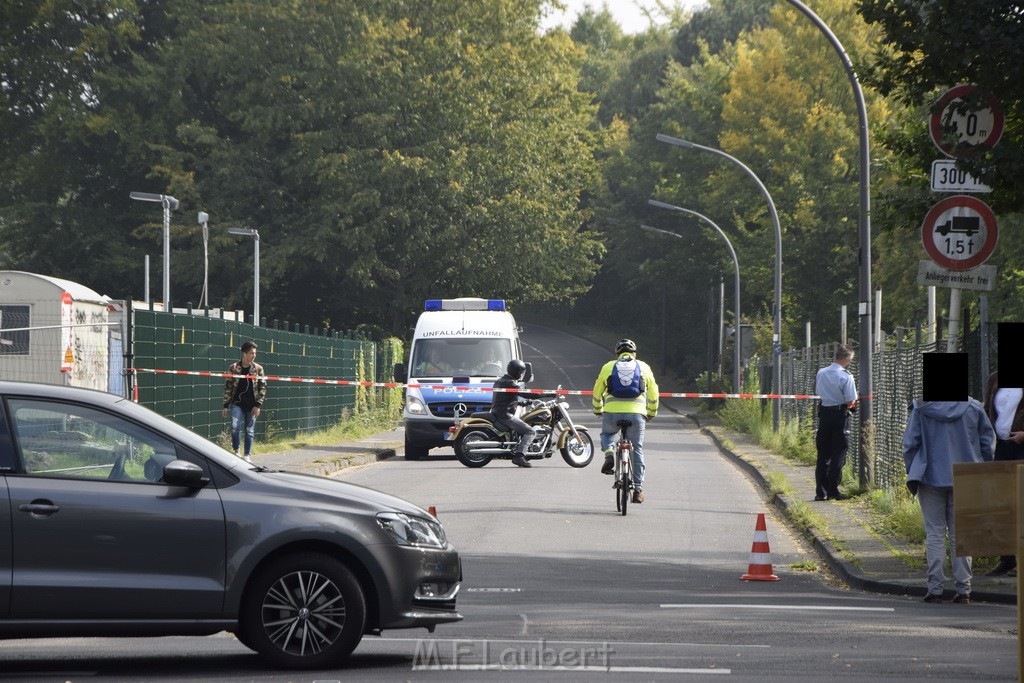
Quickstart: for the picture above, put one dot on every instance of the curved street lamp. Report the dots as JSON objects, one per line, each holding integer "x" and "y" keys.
{"x": 777, "y": 304}
{"x": 864, "y": 370}
{"x": 736, "y": 279}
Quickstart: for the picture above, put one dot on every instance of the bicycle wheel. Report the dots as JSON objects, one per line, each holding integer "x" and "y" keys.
{"x": 623, "y": 493}
{"x": 618, "y": 480}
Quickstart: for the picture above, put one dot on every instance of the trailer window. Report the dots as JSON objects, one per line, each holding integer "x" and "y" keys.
{"x": 14, "y": 343}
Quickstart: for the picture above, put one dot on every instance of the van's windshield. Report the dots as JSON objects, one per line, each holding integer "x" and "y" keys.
{"x": 461, "y": 357}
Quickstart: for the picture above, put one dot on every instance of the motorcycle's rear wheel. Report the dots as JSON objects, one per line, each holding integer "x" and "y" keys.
{"x": 469, "y": 436}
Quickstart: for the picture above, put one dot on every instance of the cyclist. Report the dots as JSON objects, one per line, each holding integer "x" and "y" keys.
{"x": 503, "y": 407}
{"x": 625, "y": 390}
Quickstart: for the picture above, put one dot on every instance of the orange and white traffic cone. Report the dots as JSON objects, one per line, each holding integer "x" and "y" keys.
{"x": 760, "y": 567}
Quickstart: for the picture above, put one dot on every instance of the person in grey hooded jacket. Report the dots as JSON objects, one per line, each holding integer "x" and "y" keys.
{"x": 938, "y": 434}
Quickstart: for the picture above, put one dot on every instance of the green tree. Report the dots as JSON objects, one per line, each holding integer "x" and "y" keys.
{"x": 387, "y": 151}
{"x": 60, "y": 169}
{"x": 925, "y": 48}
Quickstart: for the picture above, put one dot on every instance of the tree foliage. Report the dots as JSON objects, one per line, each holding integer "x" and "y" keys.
{"x": 387, "y": 152}
{"x": 925, "y": 48}
{"x": 397, "y": 150}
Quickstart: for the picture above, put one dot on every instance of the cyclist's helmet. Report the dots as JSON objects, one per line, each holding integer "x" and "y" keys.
{"x": 625, "y": 346}
{"x": 516, "y": 368}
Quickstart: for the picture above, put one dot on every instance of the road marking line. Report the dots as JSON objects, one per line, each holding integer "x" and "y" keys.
{"x": 410, "y": 639}
{"x": 568, "y": 669}
{"x": 493, "y": 590}
{"x": 820, "y": 608}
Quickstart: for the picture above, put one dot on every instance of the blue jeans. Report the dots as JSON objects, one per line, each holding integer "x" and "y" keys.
{"x": 238, "y": 416}
{"x": 635, "y": 434}
{"x": 937, "y": 510}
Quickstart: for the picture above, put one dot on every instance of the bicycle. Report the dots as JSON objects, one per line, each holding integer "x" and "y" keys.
{"x": 623, "y": 467}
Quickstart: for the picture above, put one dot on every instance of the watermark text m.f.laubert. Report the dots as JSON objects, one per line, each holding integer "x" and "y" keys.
{"x": 482, "y": 654}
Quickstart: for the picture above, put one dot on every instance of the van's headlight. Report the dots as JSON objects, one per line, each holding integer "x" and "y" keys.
{"x": 410, "y": 530}
{"x": 415, "y": 406}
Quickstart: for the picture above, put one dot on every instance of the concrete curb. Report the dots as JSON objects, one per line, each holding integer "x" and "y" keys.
{"x": 844, "y": 569}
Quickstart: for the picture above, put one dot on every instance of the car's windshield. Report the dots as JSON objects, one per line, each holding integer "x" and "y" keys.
{"x": 461, "y": 357}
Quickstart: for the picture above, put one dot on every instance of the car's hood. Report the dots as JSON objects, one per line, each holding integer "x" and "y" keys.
{"x": 313, "y": 484}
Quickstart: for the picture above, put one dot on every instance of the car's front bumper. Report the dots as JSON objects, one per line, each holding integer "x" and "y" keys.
{"x": 421, "y": 587}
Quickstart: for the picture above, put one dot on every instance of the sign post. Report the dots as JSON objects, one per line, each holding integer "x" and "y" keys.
{"x": 959, "y": 233}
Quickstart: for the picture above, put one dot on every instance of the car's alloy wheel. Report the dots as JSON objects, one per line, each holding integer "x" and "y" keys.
{"x": 304, "y": 611}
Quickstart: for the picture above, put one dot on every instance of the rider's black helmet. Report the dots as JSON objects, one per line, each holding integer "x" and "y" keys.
{"x": 625, "y": 346}
{"x": 516, "y": 368}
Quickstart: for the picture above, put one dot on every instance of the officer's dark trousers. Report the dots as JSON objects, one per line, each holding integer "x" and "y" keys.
{"x": 832, "y": 440}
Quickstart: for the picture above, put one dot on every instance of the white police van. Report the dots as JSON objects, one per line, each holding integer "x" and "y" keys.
{"x": 463, "y": 344}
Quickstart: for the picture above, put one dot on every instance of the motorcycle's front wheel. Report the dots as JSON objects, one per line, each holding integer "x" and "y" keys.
{"x": 578, "y": 450}
{"x": 464, "y": 442}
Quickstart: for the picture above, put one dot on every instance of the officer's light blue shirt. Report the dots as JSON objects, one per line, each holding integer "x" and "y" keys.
{"x": 835, "y": 386}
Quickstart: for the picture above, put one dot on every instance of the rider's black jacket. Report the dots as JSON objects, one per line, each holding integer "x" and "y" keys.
{"x": 503, "y": 404}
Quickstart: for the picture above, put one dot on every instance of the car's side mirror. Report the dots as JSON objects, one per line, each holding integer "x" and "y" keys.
{"x": 399, "y": 373}
{"x": 528, "y": 375}
{"x": 184, "y": 473}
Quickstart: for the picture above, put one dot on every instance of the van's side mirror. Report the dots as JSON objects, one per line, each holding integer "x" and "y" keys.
{"x": 528, "y": 375}
{"x": 399, "y": 373}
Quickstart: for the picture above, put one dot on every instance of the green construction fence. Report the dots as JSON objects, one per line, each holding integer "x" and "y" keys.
{"x": 192, "y": 342}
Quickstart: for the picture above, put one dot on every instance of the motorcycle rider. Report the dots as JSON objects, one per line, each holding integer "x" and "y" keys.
{"x": 611, "y": 409}
{"x": 503, "y": 407}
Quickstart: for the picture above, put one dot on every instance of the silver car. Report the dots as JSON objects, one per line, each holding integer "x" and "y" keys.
{"x": 123, "y": 523}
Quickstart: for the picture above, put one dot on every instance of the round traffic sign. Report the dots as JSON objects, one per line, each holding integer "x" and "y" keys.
{"x": 960, "y": 232}
{"x": 966, "y": 120}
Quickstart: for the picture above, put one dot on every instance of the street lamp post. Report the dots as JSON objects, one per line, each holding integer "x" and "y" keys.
{"x": 255, "y": 270}
{"x": 170, "y": 204}
{"x": 736, "y": 279}
{"x": 777, "y": 305}
{"x": 204, "y": 298}
{"x": 864, "y": 363}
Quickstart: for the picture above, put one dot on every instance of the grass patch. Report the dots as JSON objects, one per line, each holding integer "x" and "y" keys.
{"x": 806, "y": 518}
{"x": 349, "y": 428}
{"x": 898, "y": 514}
{"x": 794, "y": 440}
{"x": 805, "y": 566}
{"x": 778, "y": 484}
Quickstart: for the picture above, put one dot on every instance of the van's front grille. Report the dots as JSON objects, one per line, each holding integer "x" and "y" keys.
{"x": 448, "y": 409}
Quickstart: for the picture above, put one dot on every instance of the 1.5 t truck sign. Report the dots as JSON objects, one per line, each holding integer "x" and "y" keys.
{"x": 960, "y": 232}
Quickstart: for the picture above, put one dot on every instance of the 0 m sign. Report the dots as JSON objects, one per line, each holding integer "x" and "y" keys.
{"x": 966, "y": 120}
{"x": 959, "y": 233}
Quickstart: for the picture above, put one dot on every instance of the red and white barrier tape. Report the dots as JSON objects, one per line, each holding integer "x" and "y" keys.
{"x": 453, "y": 387}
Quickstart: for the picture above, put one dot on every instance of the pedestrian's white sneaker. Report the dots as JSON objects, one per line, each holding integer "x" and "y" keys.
{"x": 247, "y": 459}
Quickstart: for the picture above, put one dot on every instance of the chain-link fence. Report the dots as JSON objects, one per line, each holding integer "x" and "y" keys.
{"x": 896, "y": 378}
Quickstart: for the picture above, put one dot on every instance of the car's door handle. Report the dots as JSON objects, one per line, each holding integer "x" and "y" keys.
{"x": 39, "y": 508}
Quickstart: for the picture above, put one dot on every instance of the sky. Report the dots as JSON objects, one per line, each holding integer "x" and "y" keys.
{"x": 626, "y": 12}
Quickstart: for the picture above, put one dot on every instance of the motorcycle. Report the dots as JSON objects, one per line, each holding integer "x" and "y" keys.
{"x": 478, "y": 439}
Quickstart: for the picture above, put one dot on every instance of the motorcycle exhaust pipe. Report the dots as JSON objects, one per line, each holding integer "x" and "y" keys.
{"x": 490, "y": 451}
{"x": 477, "y": 445}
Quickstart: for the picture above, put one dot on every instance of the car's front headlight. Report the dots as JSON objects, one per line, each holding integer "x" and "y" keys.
{"x": 415, "y": 406}
{"x": 409, "y": 530}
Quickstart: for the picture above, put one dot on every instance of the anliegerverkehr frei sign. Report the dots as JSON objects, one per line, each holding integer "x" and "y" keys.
{"x": 981, "y": 278}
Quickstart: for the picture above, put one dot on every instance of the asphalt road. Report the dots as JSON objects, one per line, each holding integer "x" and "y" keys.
{"x": 559, "y": 587}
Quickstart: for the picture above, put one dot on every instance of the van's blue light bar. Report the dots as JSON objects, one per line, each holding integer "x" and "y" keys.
{"x": 464, "y": 304}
